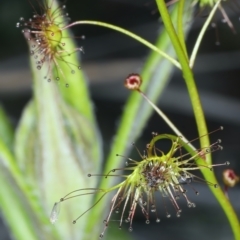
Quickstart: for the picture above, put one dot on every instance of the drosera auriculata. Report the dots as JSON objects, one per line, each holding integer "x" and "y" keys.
{"x": 156, "y": 171}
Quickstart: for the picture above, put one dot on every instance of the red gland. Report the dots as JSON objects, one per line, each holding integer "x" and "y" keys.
{"x": 230, "y": 178}
{"x": 133, "y": 81}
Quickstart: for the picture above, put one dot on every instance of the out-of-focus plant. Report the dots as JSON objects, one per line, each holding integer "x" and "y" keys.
{"x": 57, "y": 140}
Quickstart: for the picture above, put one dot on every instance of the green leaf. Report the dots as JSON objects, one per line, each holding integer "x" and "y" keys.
{"x": 6, "y": 129}
{"x": 14, "y": 211}
{"x": 15, "y": 196}
{"x": 57, "y": 143}
{"x": 55, "y": 149}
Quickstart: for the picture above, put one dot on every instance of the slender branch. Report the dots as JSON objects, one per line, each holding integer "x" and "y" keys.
{"x": 128, "y": 33}
{"x": 201, "y": 34}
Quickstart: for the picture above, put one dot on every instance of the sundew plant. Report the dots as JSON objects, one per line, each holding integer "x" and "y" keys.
{"x": 56, "y": 183}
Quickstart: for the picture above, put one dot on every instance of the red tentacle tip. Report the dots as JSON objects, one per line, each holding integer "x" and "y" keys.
{"x": 133, "y": 81}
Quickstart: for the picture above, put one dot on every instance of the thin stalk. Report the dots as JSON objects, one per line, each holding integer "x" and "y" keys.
{"x": 201, "y": 34}
{"x": 128, "y": 33}
{"x": 168, "y": 121}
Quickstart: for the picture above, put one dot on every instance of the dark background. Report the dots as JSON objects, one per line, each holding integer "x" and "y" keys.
{"x": 109, "y": 57}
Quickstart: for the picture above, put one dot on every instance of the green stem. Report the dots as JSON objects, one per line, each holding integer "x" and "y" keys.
{"x": 187, "y": 74}
{"x": 128, "y": 33}
{"x": 180, "y": 28}
{"x": 198, "y": 113}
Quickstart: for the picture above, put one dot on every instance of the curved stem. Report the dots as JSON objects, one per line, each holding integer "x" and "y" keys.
{"x": 128, "y": 33}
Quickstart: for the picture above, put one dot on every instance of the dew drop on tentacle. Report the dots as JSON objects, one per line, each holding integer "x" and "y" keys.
{"x": 130, "y": 229}
{"x": 189, "y": 204}
{"x": 178, "y": 214}
{"x": 147, "y": 221}
{"x": 101, "y": 236}
{"x": 67, "y": 85}
{"x": 158, "y": 220}
{"x": 55, "y": 212}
